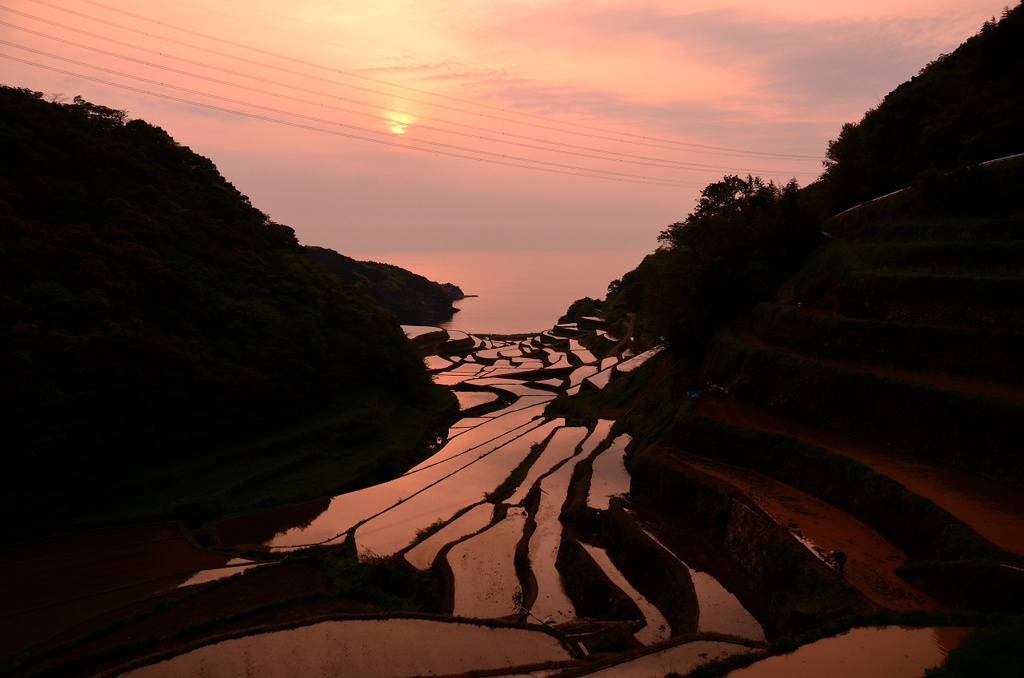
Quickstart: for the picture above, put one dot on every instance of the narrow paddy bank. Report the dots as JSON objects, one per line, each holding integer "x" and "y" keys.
{"x": 552, "y": 604}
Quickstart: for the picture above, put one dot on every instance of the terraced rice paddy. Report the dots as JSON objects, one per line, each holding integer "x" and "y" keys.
{"x": 477, "y": 538}
{"x": 495, "y": 524}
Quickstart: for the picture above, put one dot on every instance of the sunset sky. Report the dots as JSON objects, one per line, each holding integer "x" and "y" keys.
{"x": 498, "y": 125}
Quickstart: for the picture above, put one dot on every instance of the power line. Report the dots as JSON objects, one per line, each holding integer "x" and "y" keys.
{"x": 496, "y": 159}
{"x": 664, "y": 113}
{"x": 623, "y": 137}
{"x": 321, "y": 79}
{"x": 561, "y": 147}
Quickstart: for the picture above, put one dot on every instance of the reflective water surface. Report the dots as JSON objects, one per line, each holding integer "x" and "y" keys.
{"x": 890, "y": 651}
{"x": 362, "y": 648}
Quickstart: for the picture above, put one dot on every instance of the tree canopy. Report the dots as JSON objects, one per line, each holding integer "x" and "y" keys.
{"x": 733, "y": 250}
{"x": 146, "y": 304}
{"x": 962, "y": 108}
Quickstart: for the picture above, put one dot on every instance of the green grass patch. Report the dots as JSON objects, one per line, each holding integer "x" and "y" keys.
{"x": 645, "y": 414}
{"x": 425, "y": 532}
{"x": 379, "y": 581}
{"x": 922, "y": 230}
{"x": 983, "y": 302}
{"x": 582, "y": 408}
{"x": 1000, "y": 257}
{"x": 650, "y": 417}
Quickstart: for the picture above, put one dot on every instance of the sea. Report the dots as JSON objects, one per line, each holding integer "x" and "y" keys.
{"x": 515, "y": 292}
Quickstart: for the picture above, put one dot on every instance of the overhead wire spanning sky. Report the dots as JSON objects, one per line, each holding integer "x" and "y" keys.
{"x": 461, "y": 125}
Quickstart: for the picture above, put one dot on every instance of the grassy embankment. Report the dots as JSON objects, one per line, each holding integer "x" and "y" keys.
{"x": 871, "y": 342}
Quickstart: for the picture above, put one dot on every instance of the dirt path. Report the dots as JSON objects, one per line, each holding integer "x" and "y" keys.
{"x": 871, "y": 559}
{"x": 993, "y": 509}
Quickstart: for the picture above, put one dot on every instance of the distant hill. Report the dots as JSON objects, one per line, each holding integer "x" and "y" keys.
{"x": 962, "y": 108}
{"x": 146, "y": 305}
{"x": 413, "y": 298}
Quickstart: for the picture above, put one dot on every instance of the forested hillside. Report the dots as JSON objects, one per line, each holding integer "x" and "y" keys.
{"x": 962, "y": 108}
{"x": 827, "y": 351}
{"x": 148, "y": 312}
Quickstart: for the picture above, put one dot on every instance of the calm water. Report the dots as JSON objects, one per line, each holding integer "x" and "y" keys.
{"x": 517, "y": 291}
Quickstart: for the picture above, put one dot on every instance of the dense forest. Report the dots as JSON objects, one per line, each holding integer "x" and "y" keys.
{"x": 149, "y": 311}
{"x": 962, "y": 108}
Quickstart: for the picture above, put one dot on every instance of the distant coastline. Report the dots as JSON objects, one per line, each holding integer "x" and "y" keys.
{"x": 516, "y": 292}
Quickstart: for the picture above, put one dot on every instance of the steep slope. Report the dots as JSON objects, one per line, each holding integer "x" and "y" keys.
{"x": 896, "y": 345}
{"x": 876, "y": 300}
{"x": 149, "y": 313}
{"x": 962, "y": 108}
{"x": 869, "y": 360}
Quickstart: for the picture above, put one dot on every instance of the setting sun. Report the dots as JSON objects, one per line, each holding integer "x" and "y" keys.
{"x": 397, "y": 122}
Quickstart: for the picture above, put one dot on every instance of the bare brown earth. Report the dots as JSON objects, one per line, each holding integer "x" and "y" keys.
{"x": 823, "y": 528}
{"x": 993, "y": 509}
{"x": 267, "y": 598}
{"x": 53, "y": 585}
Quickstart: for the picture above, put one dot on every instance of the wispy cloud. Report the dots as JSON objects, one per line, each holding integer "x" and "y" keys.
{"x": 749, "y": 57}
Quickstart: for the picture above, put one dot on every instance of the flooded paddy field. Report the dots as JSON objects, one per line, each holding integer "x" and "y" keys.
{"x": 892, "y": 651}
{"x": 487, "y": 515}
{"x": 370, "y": 648}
